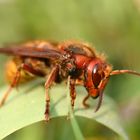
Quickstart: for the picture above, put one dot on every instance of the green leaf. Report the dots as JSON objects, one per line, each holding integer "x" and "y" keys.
{"x": 27, "y": 105}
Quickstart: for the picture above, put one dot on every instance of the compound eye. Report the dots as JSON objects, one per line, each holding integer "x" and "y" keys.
{"x": 96, "y": 75}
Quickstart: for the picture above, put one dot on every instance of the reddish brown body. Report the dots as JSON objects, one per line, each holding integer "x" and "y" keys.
{"x": 71, "y": 60}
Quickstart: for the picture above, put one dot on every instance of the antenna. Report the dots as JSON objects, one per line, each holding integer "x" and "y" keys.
{"x": 100, "y": 101}
{"x": 117, "y": 72}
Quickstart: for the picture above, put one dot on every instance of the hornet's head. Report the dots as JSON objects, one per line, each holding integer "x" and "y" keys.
{"x": 96, "y": 77}
{"x": 97, "y": 74}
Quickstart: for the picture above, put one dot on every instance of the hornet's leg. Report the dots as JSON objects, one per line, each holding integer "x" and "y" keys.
{"x": 13, "y": 84}
{"x": 51, "y": 78}
{"x": 71, "y": 85}
{"x": 72, "y": 91}
{"x": 79, "y": 82}
{"x": 84, "y": 101}
{"x": 17, "y": 78}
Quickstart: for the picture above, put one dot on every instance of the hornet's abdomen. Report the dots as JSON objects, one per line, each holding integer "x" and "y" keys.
{"x": 11, "y": 69}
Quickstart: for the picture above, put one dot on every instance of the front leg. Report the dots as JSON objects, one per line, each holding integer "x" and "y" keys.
{"x": 79, "y": 82}
{"x": 84, "y": 101}
{"x": 51, "y": 78}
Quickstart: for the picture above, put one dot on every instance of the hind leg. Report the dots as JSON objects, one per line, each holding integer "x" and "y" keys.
{"x": 13, "y": 84}
{"x": 16, "y": 79}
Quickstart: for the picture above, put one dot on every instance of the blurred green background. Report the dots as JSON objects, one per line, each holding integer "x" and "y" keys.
{"x": 113, "y": 26}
